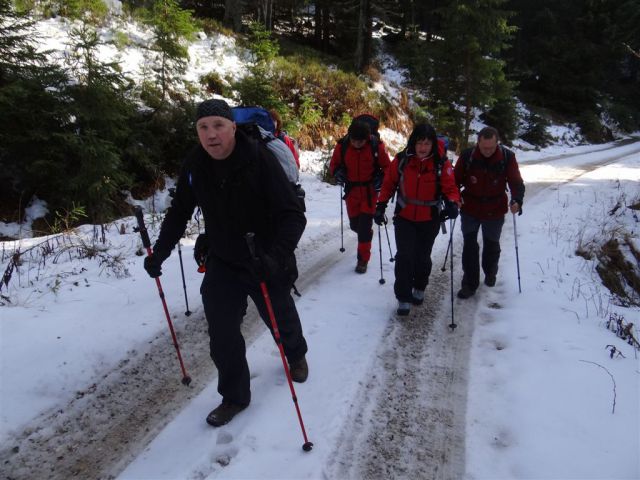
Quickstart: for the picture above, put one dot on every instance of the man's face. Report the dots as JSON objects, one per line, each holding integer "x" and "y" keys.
{"x": 357, "y": 144}
{"x": 487, "y": 146}
{"x": 217, "y": 136}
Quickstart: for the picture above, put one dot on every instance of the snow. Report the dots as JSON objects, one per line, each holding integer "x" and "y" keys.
{"x": 539, "y": 401}
{"x": 541, "y": 383}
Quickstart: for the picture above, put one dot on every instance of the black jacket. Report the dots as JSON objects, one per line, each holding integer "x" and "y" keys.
{"x": 247, "y": 192}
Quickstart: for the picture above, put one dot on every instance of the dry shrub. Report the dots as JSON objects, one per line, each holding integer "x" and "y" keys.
{"x": 618, "y": 274}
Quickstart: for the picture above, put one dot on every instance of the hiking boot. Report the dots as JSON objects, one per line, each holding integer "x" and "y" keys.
{"x": 361, "y": 267}
{"x": 418, "y": 296}
{"x": 299, "y": 370}
{"x": 490, "y": 280}
{"x": 403, "y": 309}
{"x": 466, "y": 292}
{"x": 223, "y": 413}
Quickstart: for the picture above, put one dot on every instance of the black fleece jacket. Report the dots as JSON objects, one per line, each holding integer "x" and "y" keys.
{"x": 246, "y": 192}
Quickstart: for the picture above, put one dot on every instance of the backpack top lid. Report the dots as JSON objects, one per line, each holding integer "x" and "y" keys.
{"x": 252, "y": 114}
{"x": 370, "y": 120}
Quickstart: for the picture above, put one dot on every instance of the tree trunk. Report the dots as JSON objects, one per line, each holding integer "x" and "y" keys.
{"x": 363, "y": 43}
{"x": 268, "y": 14}
{"x": 233, "y": 14}
{"x": 317, "y": 28}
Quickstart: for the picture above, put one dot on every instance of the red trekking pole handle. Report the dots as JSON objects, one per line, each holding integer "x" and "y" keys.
{"x": 186, "y": 379}
{"x": 250, "y": 238}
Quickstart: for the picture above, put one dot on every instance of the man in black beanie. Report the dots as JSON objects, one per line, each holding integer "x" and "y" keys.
{"x": 241, "y": 188}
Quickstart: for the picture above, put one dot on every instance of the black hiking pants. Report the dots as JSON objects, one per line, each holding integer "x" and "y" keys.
{"x": 491, "y": 231}
{"x": 414, "y": 242}
{"x": 224, "y": 296}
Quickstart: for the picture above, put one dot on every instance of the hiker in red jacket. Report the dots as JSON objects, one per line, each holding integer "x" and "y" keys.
{"x": 284, "y": 136}
{"x": 358, "y": 161}
{"x": 484, "y": 172}
{"x": 427, "y": 195}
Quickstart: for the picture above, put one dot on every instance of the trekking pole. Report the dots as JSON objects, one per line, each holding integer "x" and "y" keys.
{"x": 186, "y": 379}
{"x": 452, "y": 325}
{"x": 184, "y": 284}
{"x": 381, "y": 281}
{"x": 341, "y": 223}
{"x": 515, "y": 236}
{"x": 172, "y": 194}
{"x": 444, "y": 264}
{"x": 250, "y": 238}
{"x": 391, "y": 257}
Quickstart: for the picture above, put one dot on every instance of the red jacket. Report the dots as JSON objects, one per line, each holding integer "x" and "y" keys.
{"x": 418, "y": 184}
{"x": 292, "y": 146}
{"x": 485, "y": 181}
{"x": 360, "y": 167}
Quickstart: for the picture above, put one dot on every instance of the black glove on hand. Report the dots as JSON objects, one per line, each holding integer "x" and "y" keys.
{"x": 201, "y": 249}
{"x": 340, "y": 175}
{"x": 450, "y": 211}
{"x": 153, "y": 265}
{"x": 379, "y": 217}
{"x": 519, "y": 202}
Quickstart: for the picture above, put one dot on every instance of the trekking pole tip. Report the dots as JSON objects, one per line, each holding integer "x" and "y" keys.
{"x": 452, "y": 326}
{"x": 307, "y": 446}
{"x": 342, "y": 249}
{"x": 186, "y": 380}
{"x": 188, "y": 313}
{"x": 382, "y": 281}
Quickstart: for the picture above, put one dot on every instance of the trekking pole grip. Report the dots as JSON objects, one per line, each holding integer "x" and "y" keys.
{"x": 146, "y": 242}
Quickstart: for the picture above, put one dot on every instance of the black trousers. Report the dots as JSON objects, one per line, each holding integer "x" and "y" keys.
{"x": 491, "y": 231}
{"x": 414, "y": 242}
{"x": 224, "y": 295}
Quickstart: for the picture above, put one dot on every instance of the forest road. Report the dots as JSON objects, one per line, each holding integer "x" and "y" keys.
{"x": 408, "y": 420}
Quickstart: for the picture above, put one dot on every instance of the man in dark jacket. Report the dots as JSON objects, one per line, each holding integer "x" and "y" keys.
{"x": 240, "y": 188}
{"x": 483, "y": 174}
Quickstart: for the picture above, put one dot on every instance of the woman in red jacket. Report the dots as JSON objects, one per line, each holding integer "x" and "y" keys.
{"x": 427, "y": 194}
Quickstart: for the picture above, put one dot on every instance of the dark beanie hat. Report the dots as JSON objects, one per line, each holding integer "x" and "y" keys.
{"x": 214, "y": 108}
{"x": 359, "y": 130}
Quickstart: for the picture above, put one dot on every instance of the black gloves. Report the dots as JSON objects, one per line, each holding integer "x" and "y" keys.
{"x": 450, "y": 211}
{"x": 519, "y": 202}
{"x": 340, "y": 175}
{"x": 201, "y": 250}
{"x": 153, "y": 265}
{"x": 379, "y": 217}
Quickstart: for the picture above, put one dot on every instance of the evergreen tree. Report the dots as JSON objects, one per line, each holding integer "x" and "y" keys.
{"x": 467, "y": 70}
{"x": 171, "y": 27}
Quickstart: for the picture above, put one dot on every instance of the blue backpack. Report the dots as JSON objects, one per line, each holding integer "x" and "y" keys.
{"x": 258, "y": 115}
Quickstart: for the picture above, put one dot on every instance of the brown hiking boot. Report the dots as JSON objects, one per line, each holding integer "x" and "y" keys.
{"x": 299, "y": 370}
{"x": 224, "y": 413}
{"x": 361, "y": 267}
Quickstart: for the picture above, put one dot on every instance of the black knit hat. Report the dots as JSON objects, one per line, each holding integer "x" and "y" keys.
{"x": 359, "y": 130}
{"x": 214, "y": 108}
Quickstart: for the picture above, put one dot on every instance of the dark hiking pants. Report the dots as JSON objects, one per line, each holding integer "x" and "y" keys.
{"x": 224, "y": 295}
{"x": 414, "y": 242}
{"x": 491, "y": 231}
